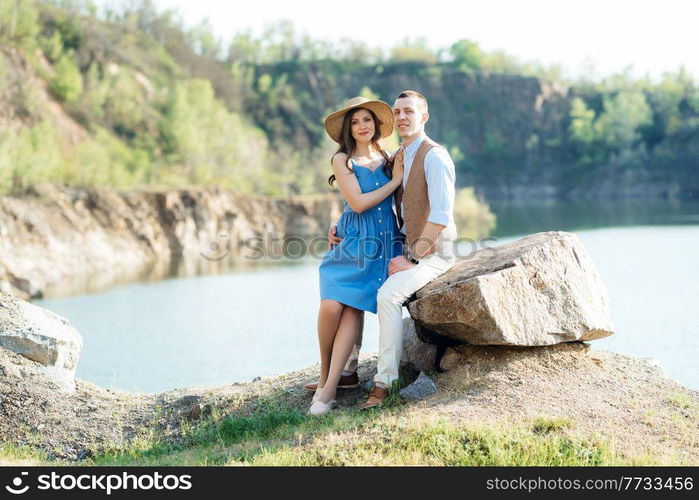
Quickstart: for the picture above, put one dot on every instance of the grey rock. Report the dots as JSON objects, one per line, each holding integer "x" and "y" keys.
{"x": 539, "y": 290}
{"x": 192, "y": 412}
{"x": 187, "y": 401}
{"x": 5, "y": 287}
{"x": 63, "y": 379}
{"x": 423, "y": 387}
{"x": 655, "y": 365}
{"x": 451, "y": 359}
{"x": 42, "y": 336}
{"x": 28, "y": 287}
{"x": 417, "y": 355}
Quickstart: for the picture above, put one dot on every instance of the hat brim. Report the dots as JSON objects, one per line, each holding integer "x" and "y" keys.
{"x": 333, "y": 123}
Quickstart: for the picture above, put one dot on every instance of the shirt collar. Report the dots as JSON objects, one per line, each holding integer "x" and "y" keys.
{"x": 412, "y": 148}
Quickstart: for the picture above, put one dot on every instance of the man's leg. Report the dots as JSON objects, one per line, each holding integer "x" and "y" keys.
{"x": 391, "y": 297}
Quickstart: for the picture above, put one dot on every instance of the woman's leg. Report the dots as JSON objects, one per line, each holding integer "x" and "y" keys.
{"x": 329, "y": 315}
{"x": 344, "y": 341}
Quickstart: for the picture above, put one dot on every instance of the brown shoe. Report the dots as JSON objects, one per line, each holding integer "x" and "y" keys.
{"x": 376, "y": 397}
{"x": 345, "y": 382}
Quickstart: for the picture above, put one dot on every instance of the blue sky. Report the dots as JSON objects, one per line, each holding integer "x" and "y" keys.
{"x": 594, "y": 38}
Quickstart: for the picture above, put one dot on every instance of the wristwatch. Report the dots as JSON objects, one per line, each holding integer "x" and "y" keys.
{"x": 409, "y": 256}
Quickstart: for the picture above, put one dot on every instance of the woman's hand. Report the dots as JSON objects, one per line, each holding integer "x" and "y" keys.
{"x": 398, "y": 168}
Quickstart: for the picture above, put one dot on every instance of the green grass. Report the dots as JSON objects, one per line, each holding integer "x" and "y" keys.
{"x": 271, "y": 422}
{"x": 12, "y": 453}
{"x": 680, "y": 400}
{"x": 440, "y": 443}
{"x": 273, "y": 434}
{"x": 544, "y": 425}
{"x": 270, "y": 432}
{"x": 276, "y": 436}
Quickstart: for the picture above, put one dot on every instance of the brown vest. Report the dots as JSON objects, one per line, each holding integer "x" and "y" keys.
{"x": 416, "y": 201}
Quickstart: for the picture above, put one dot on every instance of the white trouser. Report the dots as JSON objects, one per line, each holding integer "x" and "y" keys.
{"x": 391, "y": 297}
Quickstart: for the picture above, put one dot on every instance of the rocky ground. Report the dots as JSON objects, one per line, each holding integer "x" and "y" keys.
{"x": 627, "y": 401}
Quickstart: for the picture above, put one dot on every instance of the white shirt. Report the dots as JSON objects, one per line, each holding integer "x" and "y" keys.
{"x": 440, "y": 176}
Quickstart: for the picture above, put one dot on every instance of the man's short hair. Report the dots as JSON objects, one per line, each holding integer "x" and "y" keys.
{"x": 411, "y": 93}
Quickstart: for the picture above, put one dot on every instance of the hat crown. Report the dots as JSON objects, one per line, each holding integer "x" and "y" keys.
{"x": 355, "y": 101}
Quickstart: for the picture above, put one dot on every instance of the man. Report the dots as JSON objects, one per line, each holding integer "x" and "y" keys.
{"x": 425, "y": 207}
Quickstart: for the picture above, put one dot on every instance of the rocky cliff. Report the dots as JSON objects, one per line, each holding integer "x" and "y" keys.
{"x": 509, "y": 134}
{"x": 60, "y": 240}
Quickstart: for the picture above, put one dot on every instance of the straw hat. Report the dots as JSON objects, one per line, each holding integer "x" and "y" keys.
{"x": 333, "y": 123}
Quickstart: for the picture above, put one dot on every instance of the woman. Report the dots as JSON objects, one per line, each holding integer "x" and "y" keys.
{"x": 352, "y": 272}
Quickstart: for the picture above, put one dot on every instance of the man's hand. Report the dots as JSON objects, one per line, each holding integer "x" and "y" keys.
{"x": 398, "y": 264}
{"x": 332, "y": 239}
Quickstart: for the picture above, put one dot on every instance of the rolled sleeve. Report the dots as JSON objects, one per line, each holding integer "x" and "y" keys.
{"x": 440, "y": 176}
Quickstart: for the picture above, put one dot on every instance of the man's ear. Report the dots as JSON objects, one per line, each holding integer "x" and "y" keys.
{"x": 426, "y": 116}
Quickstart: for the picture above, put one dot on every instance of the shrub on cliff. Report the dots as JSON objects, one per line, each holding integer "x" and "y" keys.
{"x": 473, "y": 218}
{"x": 67, "y": 83}
{"x": 19, "y": 22}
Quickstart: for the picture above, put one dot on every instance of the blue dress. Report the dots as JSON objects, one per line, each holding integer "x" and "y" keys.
{"x": 353, "y": 271}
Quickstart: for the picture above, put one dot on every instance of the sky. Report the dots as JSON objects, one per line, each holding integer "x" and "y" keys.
{"x": 592, "y": 38}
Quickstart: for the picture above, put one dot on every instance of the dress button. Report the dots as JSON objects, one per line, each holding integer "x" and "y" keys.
{"x": 379, "y": 208}
{"x": 379, "y": 220}
{"x": 377, "y": 183}
{"x": 379, "y": 279}
{"x": 381, "y": 234}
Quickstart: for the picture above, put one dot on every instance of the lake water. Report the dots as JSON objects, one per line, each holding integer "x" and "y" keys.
{"x": 215, "y": 330}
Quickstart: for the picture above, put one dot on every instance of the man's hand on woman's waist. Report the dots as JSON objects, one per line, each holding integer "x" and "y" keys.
{"x": 332, "y": 239}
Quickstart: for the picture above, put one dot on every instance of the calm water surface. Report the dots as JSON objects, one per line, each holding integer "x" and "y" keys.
{"x": 213, "y": 330}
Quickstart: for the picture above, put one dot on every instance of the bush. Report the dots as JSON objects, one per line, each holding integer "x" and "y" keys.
{"x": 67, "y": 83}
{"x": 473, "y": 218}
{"x": 108, "y": 162}
{"x": 19, "y": 22}
{"x": 29, "y": 156}
{"x": 210, "y": 143}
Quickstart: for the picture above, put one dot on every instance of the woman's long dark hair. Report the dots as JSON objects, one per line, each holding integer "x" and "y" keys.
{"x": 348, "y": 144}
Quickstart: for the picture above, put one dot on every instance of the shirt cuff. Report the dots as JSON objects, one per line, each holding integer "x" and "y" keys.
{"x": 441, "y": 218}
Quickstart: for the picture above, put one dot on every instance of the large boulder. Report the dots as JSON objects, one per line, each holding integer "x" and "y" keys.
{"x": 539, "y": 290}
{"x": 41, "y": 336}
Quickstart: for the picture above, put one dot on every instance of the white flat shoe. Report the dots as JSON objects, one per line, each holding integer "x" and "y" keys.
{"x": 320, "y": 408}
{"x": 316, "y": 394}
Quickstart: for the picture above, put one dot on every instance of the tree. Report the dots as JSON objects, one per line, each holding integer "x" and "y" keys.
{"x": 18, "y": 21}
{"x": 413, "y": 50}
{"x": 466, "y": 54}
{"x": 67, "y": 82}
{"x": 245, "y": 49}
{"x": 203, "y": 41}
{"x": 623, "y": 114}
{"x": 582, "y": 121}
